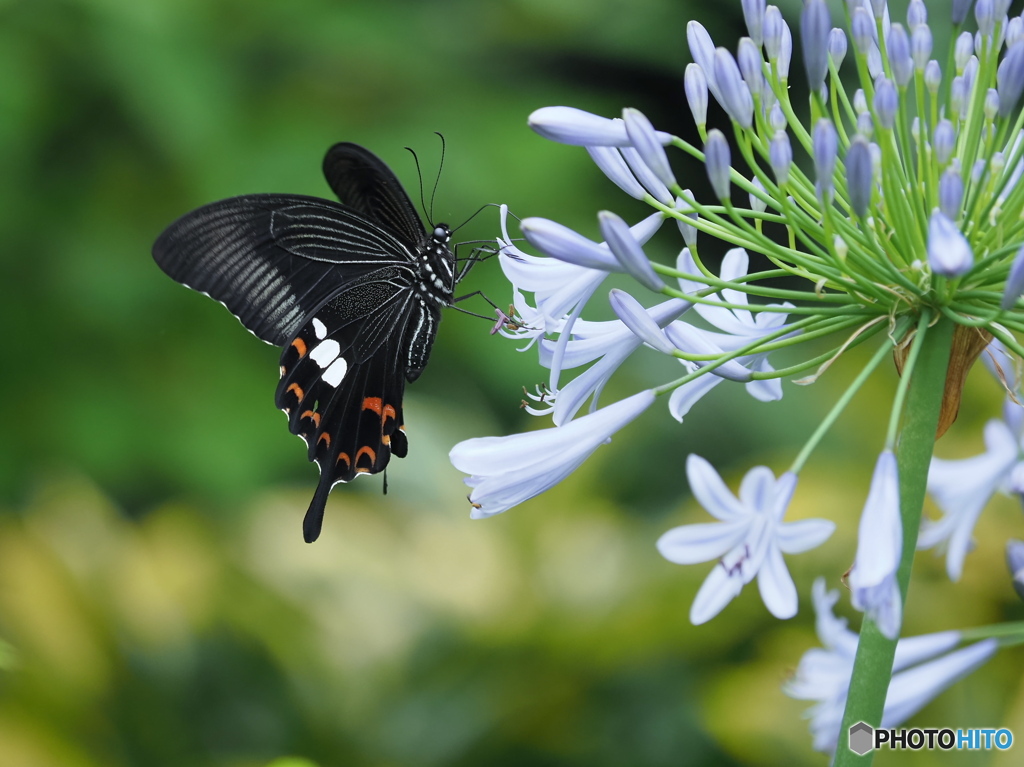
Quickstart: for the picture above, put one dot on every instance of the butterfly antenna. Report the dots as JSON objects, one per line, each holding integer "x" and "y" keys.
{"x": 419, "y": 173}
{"x": 479, "y": 211}
{"x": 438, "y": 179}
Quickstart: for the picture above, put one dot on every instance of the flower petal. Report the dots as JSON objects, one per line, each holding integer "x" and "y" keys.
{"x": 710, "y": 491}
{"x": 718, "y": 590}
{"x": 804, "y": 535}
{"x": 776, "y": 586}
{"x": 701, "y": 542}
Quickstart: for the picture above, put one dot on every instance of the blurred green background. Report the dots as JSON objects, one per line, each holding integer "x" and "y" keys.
{"x": 157, "y": 603}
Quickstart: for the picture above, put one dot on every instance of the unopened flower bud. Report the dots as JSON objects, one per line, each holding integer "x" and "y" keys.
{"x": 944, "y": 141}
{"x": 960, "y": 10}
{"x": 753, "y": 14}
{"x": 899, "y": 55}
{"x": 865, "y": 125}
{"x": 815, "y": 27}
{"x": 1010, "y": 78}
{"x": 780, "y": 156}
{"x": 951, "y": 194}
{"x": 862, "y": 27}
{"x": 933, "y": 77}
{"x": 985, "y": 15}
{"x": 735, "y": 95}
{"x": 917, "y": 14}
{"x": 963, "y": 50}
{"x": 991, "y": 104}
{"x": 860, "y": 102}
{"x": 645, "y": 141}
{"x": 837, "y": 46}
{"x": 750, "y": 62}
{"x": 920, "y": 46}
{"x": 717, "y": 161}
{"x": 773, "y": 24}
{"x": 825, "y": 143}
{"x": 696, "y": 86}
{"x": 689, "y": 231}
{"x": 1014, "y": 290}
{"x": 887, "y": 102}
{"x": 757, "y": 202}
{"x": 859, "y": 176}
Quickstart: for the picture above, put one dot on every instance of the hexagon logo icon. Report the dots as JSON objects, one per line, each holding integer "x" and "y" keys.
{"x": 862, "y": 737}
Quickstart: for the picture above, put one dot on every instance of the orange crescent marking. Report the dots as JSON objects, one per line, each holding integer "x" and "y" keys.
{"x": 362, "y": 471}
{"x": 389, "y": 412}
{"x": 373, "y": 403}
{"x": 325, "y": 437}
{"x": 300, "y": 347}
{"x": 386, "y": 439}
{"x": 298, "y": 391}
{"x": 314, "y": 416}
{"x": 369, "y": 451}
{"x": 344, "y": 457}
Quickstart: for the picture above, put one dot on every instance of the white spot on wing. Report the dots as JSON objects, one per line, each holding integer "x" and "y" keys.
{"x": 319, "y": 328}
{"x": 325, "y": 352}
{"x": 335, "y": 372}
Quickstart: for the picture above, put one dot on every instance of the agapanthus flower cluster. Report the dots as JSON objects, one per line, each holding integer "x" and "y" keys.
{"x": 892, "y": 194}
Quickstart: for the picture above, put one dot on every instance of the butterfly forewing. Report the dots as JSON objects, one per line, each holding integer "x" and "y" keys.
{"x": 352, "y": 292}
{"x": 273, "y": 259}
{"x": 361, "y": 180}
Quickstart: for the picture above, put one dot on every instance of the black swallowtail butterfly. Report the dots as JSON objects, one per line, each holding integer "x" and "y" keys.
{"x": 353, "y": 292}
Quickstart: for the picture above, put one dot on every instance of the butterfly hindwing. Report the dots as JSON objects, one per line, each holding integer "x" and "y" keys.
{"x": 342, "y": 382}
{"x": 273, "y": 259}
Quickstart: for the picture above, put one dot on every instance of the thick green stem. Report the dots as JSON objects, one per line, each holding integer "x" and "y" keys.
{"x": 872, "y": 668}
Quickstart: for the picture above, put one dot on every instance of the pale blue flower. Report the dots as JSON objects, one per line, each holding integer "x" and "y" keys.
{"x": 949, "y": 253}
{"x": 505, "y": 471}
{"x": 961, "y": 488}
{"x": 748, "y": 540}
{"x": 872, "y": 580}
{"x": 607, "y": 344}
{"x": 738, "y": 328}
{"x": 558, "y": 286}
{"x": 924, "y": 666}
